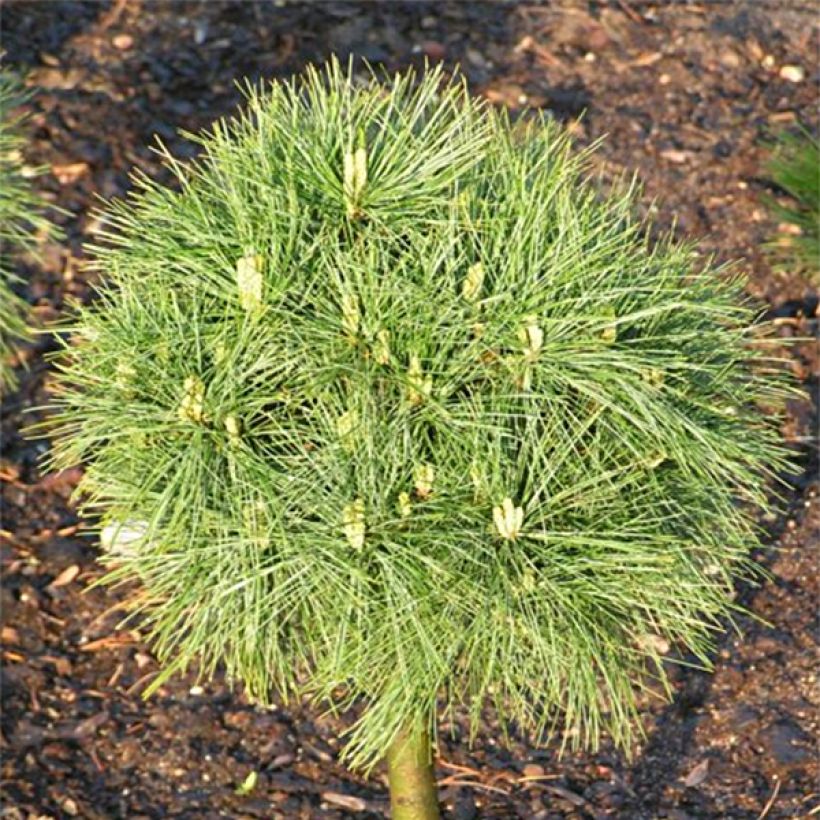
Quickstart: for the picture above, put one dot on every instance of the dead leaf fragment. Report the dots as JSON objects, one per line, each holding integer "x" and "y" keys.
{"x": 697, "y": 775}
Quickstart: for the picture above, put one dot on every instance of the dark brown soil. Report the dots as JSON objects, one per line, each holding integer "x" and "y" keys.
{"x": 687, "y": 94}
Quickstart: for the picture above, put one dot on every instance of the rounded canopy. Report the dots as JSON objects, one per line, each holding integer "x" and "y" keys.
{"x": 385, "y": 399}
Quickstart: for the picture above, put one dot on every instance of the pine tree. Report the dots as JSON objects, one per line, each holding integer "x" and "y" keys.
{"x": 387, "y": 402}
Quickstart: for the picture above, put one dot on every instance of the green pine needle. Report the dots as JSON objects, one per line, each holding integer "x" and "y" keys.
{"x": 795, "y": 167}
{"x": 19, "y": 220}
{"x": 386, "y": 402}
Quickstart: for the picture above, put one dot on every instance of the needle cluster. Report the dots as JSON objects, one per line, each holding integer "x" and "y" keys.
{"x": 19, "y": 219}
{"x": 386, "y": 401}
{"x": 795, "y": 168}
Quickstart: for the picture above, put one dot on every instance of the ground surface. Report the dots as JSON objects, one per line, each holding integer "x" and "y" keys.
{"x": 687, "y": 93}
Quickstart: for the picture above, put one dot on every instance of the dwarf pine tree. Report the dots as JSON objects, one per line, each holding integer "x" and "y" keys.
{"x": 19, "y": 219}
{"x": 386, "y": 402}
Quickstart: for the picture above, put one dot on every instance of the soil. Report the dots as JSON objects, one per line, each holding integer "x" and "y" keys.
{"x": 687, "y": 94}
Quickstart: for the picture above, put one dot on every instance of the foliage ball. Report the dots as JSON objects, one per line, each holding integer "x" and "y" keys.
{"x": 385, "y": 400}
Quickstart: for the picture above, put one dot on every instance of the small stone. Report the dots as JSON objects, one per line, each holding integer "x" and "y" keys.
{"x": 792, "y": 73}
{"x": 200, "y": 32}
{"x": 730, "y": 59}
{"x": 70, "y": 807}
{"x": 433, "y": 49}
{"x": 476, "y": 58}
{"x": 722, "y": 149}
{"x": 123, "y": 42}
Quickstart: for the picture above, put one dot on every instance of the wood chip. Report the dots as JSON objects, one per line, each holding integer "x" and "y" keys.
{"x": 69, "y": 172}
{"x": 345, "y": 801}
{"x": 61, "y": 665}
{"x": 649, "y": 58}
{"x": 10, "y": 635}
{"x": 111, "y": 642}
{"x": 533, "y": 770}
{"x": 87, "y": 727}
{"x": 678, "y": 157}
{"x": 65, "y": 577}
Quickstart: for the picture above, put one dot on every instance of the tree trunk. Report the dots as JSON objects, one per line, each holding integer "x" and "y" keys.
{"x": 410, "y": 772}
